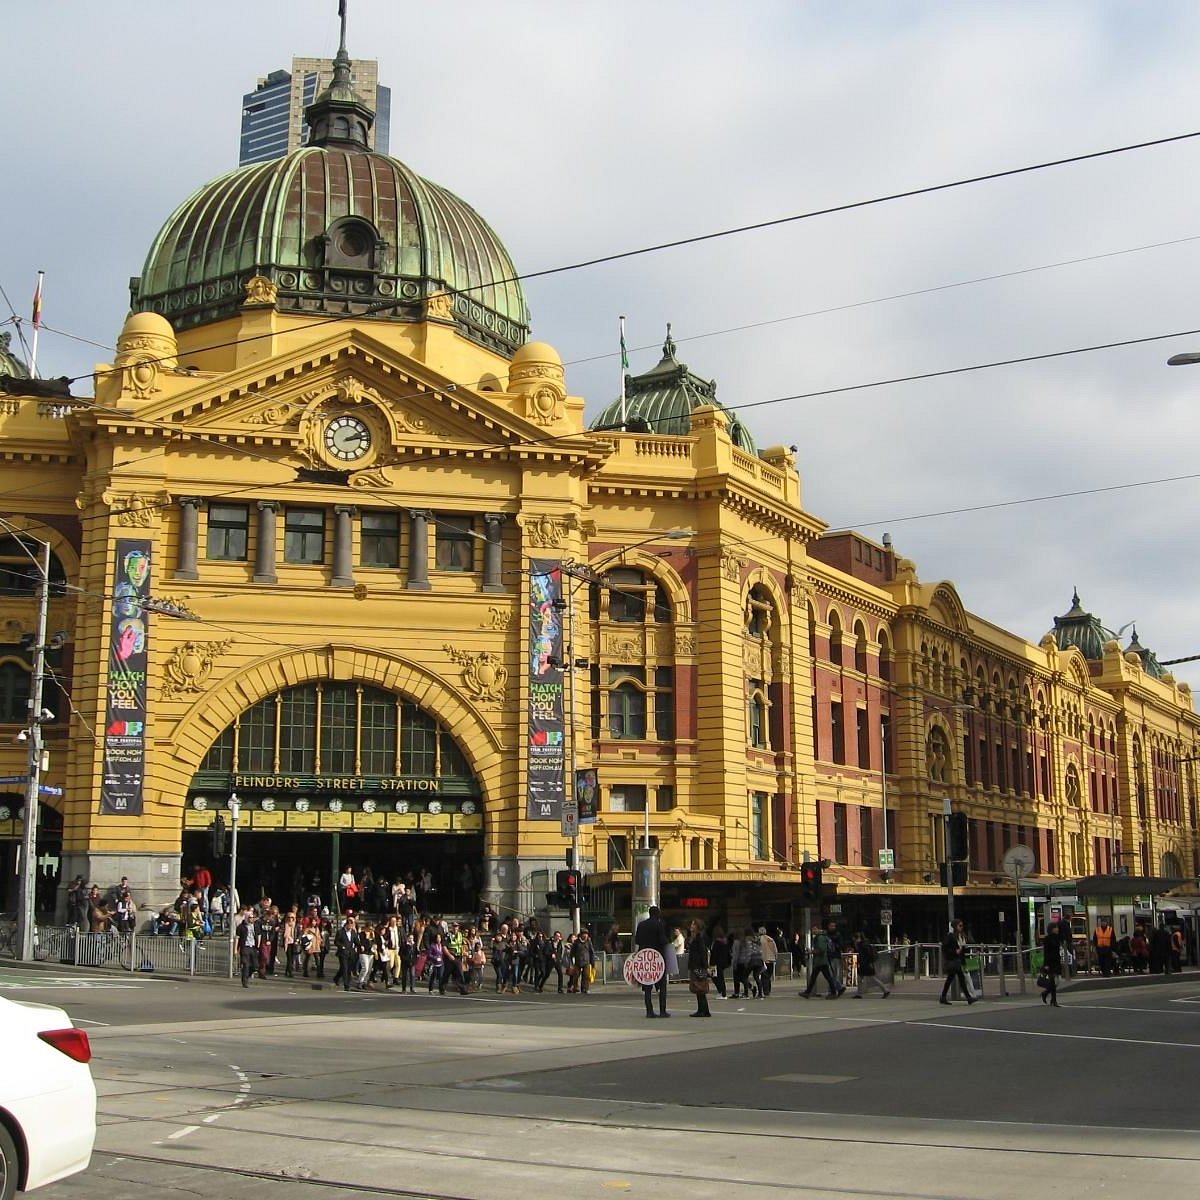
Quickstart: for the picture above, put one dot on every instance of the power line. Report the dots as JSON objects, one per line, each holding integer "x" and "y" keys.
{"x": 697, "y": 239}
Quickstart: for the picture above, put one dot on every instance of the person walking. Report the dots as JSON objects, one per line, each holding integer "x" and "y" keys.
{"x": 652, "y": 934}
{"x": 720, "y": 959}
{"x": 1051, "y": 964}
{"x": 954, "y": 950}
{"x": 819, "y": 963}
{"x": 770, "y": 956}
{"x": 247, "y": 944}
{"x": 346, "y": 945}
{"x": 697, "y": 965}
{"x": 866, "y": 967}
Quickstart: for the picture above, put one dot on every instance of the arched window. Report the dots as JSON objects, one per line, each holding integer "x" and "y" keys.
{"x": 885, "y": 656}
{"x": 21, "y": 569}
{"x": 860, "y": 647}
{"x": 760, "y": 613}
{"x": 835, "y": 638}
{"x": 632, "y": 598}
{"x": 1170, "y": 867}
{"x": 812, "y": 631}
{"x": 627, "y": 711}
{"x": 756, "y": 717}
{"x": 1074, "y": 791}
{"x": 937, "y": 753}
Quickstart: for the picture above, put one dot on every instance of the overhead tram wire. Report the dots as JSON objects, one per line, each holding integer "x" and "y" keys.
{"x": 909, "y": 295}
{"x": 697, "y": 239}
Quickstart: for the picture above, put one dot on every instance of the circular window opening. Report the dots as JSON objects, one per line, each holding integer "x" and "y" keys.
{"x": 353, "y": 241}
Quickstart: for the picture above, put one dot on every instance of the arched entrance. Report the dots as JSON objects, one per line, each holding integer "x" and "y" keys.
{"x": 337, "y": 773}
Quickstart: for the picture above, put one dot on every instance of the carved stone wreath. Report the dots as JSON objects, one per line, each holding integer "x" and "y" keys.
{"x": 484, "y": 674}
{"x": 188, "y": 667}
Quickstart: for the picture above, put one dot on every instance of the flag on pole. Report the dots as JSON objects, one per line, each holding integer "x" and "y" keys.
{"x": 624, "y": 352}
{"x": 37, "y": 302}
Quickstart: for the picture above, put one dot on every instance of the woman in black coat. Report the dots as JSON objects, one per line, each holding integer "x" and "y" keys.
{"x": 697, "y": 961}
{"x": 720, "y": 958}
{"x": 1051, "y": 964}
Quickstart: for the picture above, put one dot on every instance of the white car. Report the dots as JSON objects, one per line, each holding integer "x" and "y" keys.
{"x": 47, "y": 1097}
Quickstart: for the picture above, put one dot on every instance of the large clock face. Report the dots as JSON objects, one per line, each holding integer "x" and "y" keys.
{"x": 347, "y": 438}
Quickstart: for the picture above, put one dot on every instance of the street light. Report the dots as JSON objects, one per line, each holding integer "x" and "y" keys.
{"x": 579, "y": 573}
{"x": 36, "y": 763}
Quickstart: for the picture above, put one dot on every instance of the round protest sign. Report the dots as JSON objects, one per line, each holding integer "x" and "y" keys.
{"x": 644, "y": 968}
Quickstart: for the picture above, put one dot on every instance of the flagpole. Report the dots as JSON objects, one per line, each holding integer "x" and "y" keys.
{"x": 624, "y": 368}
{"x": 37, "y": 324}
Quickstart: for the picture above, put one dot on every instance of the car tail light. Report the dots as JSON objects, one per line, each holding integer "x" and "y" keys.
{"x": 73, "y": 1043}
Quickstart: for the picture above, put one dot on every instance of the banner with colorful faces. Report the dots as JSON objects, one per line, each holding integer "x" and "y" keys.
{"x": 125, "y": 720}
{"x": 587, "y": 794}
{"x": 547, "y": 736}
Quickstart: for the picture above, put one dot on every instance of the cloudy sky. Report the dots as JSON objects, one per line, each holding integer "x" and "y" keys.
{"x": 583, "y": 129}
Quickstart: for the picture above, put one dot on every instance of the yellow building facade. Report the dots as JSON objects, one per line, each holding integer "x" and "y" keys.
{"x": 301, "y": 537}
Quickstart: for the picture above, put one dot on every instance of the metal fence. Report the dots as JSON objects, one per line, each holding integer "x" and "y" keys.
{"x": 162, "y": 953}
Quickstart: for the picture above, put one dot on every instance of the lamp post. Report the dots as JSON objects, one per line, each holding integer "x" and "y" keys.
{"x": 37, "y": 714}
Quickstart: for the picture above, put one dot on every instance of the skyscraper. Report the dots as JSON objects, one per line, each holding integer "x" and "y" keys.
{"x": 273, "y": 114}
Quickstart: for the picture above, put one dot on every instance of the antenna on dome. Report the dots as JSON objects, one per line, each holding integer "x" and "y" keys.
{"x": 342, "y": 17}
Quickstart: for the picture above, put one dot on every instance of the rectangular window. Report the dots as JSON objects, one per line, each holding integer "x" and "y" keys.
{"x": 891, "y": 834}
{"x": 664, "y": 797}
{"x": 455, "y": 543}
{"x": 864, "y": 737}
{"x": 664, "y": 703}
{"x": 627, "y": 798}
{"x": 839, "y": 734}
{"x": 256, "y": 739}
{"x": 339, "y": 723}
{"x": 866, "y": 835}
{"x": 381, "y": 539}
{"x": 304, "y": 536}
{"x": 626, "y": 703}
{"x": 756, "y": 716}
{"x": 298, "y": 731}
{"x": 378, "y": 733}
{"x": 1001, "y": 782}
{"x": 885, "y": 729}
{"x": 1018, "y": 784}
{"x": 985, "y": 766}
{"x": 841, "y": 847}
{"x": 968, "y": 761}
{"x": 418, "y": 742}
{"x": 228, "y": 532}
{"x": 758, "y": 824}
{"x": 618, "y": 853}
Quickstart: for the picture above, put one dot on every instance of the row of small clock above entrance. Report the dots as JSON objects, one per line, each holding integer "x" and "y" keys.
{"x": 367, "y": 816}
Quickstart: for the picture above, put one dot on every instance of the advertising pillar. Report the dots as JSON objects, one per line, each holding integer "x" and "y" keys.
{"x": 645, "y": 883}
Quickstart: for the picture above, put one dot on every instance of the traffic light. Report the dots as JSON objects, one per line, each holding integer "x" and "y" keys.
{"x": 569, "y": 885}
{"x": 218, "y": 836}
{"x": 958, "y": 848}
{"x": 959, "y": 873}
{"x": 810, "y": 882}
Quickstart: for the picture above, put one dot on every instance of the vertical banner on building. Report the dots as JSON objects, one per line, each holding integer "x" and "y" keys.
{"x": 547, "y": 763}
{"x": 125, "y": 721}
{"x": 587, "y": 794}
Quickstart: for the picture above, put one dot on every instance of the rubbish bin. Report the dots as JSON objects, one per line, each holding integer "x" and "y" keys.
{"x": 885, "y": 968}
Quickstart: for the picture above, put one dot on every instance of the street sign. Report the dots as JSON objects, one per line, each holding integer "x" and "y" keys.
{"x": 1018, "y": 862}
{"x": 887, "y": 860}
{"x": 14, "y": 778}
{"x": 47, "y": 790}
{"x": 644, "y": 968}
{"x": 569, "y": 826}
{"x": 885, "y": 916}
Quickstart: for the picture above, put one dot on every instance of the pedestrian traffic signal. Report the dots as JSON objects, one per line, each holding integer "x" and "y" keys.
{"x": 958, "y": 847}
{"x": 218, "y": 836}
{"x": 810, "y": 883}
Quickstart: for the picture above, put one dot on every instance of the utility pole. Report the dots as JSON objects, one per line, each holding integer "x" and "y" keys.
{"x": 949, "y": 862}
{"x": 28, "y": 896}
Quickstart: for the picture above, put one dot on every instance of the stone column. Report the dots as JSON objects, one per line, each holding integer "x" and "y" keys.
{"x": 343, "y": 545}
{"x": 264, "y": 556}
{"x": 418, "y": 551}
{"x": 493, "y": 578}
{"x": 189, "y": 526}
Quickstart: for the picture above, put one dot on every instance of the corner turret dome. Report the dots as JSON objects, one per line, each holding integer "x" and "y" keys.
{"x": 339, "y": 230}
{"x": 665, "y": 397}
{"x": 1081, "y": 630}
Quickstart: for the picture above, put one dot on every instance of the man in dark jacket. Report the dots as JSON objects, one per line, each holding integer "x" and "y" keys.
{"x": 652, "y": 934}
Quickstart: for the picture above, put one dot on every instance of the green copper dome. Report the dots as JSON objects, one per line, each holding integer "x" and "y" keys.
{"x": 665, "y": 397}
{"x": 1081, "y": 630}
{"x": 339, "y": 230}
{"x": 10, "y": 365}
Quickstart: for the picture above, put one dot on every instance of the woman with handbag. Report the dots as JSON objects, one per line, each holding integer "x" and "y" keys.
{"x": 1051, "y": 965}
{"x": 697, "y": 961}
